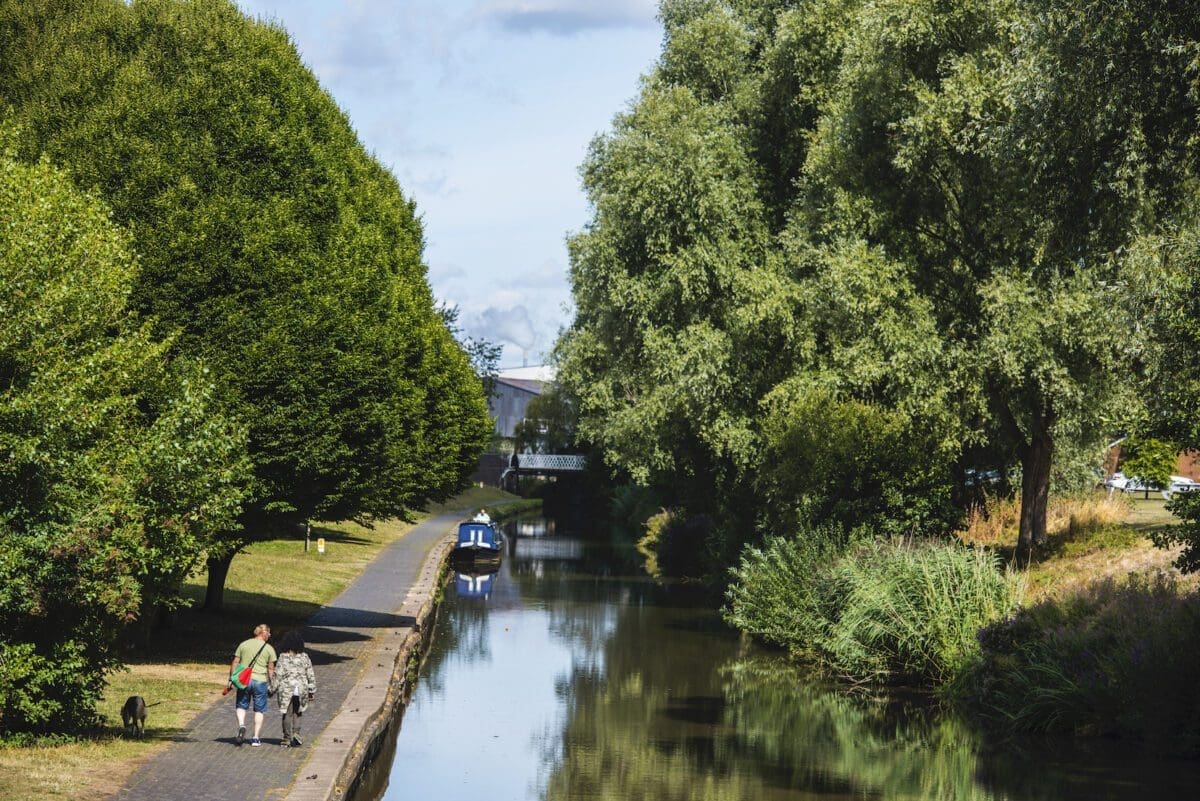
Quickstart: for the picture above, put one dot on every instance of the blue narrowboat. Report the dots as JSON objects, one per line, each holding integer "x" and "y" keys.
{"x": 479, "y": 538}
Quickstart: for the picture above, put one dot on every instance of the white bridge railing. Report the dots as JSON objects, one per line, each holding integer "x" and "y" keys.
{"x": 558, "y": 462}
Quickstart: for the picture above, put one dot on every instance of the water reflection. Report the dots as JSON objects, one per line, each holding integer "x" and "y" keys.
{"x": 474, "y": 584}
{"x": 574, "y": 677}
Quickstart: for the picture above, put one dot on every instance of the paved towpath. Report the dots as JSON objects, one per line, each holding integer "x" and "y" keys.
{"x": 353, "y": 642}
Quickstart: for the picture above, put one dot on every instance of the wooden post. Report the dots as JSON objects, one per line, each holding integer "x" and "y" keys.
{"x": 307, "y": 534}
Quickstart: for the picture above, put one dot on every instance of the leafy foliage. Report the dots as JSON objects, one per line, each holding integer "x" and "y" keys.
{"x": 549, "y": 423}
{"x": 676, "y": 546}
{"x": 118, "y": 473}
{"x": 1150, "y": 459}
{"x": 851, "y": 464}
{"x": 1115, "y": 659}
{"x": 1185, "y": 506}
{"x": 272, "y": 246}
{"x": 881, "y": 200}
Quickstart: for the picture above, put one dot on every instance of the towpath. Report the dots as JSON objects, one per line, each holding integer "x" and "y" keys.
{"x": 353, "y": 642}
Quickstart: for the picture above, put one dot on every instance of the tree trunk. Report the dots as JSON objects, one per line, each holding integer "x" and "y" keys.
{"x": 1035, "y": 489}
{"x": 214, "y": 593}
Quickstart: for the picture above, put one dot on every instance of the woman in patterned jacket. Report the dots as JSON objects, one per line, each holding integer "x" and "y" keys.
{"x": 295, "y": 685}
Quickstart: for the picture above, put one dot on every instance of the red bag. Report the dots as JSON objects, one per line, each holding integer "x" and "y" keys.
{"x": 241, "y": 679}
{"x": 241, "y": 675}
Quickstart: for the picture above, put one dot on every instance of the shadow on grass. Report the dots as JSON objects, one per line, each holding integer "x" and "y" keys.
{"x": 1149, "y": 527}
{"x": 154, "y": 734}
{"x": 196, "y": 635}
{"x": 1075, "y": 542}
{"x": 333, "y": 535}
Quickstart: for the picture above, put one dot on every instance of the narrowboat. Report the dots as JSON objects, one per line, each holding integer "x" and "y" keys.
{"x": 478, "y": 538}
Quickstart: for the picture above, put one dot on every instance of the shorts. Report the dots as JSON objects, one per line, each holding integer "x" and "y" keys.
{"x": 257, "y": 690}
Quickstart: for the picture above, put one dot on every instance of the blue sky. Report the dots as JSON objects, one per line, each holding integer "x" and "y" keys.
{"x": 483, "y": 109}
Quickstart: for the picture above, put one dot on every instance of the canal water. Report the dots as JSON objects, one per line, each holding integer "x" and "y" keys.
{"x": 567, "y": 675}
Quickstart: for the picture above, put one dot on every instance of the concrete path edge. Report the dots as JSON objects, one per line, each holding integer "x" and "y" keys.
{"x": 350, "y": 742}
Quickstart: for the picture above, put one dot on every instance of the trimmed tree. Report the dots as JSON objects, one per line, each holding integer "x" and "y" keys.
{"x": 273, "y": 246}
{"x": 117, "y": 475}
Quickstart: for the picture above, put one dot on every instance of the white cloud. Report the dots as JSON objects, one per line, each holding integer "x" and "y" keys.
{"x": 568, "y": 17}
{"x": 550, "y": 275}
{"x": 512, "y": 325}
{"x": 445, "y": 271}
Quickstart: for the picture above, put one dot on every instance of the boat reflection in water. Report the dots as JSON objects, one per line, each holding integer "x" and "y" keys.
{"x": 571, "y": 674}
{"x": 475, "y": 584}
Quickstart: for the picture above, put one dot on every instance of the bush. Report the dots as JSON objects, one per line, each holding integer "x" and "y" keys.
{"x": 49, "y": 692}
{"x": 881, "y": 612}
{"x": 829, "y": 459}
{"x": 675, "y": 545}
{"x": 912, "y": 613}
{"x": 1185, "y": 506}
{"x": 1118, "y": 658}
{"x": 632, "y": 506}
{"x": 775, "y": 589}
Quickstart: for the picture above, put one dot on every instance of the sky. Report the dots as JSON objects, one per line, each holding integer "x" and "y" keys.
{"x": 483, "y": 110}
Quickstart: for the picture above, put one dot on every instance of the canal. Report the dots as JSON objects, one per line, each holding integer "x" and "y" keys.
{"x": 569, "y": 675}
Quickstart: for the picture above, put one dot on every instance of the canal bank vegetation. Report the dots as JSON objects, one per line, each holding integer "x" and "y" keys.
{"x": 879, "y": 612}
{"x": 186, "y": 666}
{"x": 1097, "y": 637}
{"x": 511, "y": 509}
{"x": 216, "y": 326}
{"x": 867, "y": 291}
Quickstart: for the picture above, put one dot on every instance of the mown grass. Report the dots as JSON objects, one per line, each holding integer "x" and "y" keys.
{"x": 183, "y": 668}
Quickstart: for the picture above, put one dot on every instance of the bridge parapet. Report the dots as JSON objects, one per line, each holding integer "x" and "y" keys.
{"x": 556, "y": 462}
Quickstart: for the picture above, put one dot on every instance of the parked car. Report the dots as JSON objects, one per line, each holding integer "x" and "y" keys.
{"x": 1138, "y": 484}
{"x": 1180, "y": 484}
{"x": 974, "y": 477}
{"x": 1116, "y": 481}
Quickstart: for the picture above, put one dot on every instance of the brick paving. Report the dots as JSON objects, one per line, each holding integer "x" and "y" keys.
{"x": 353, "y": 642}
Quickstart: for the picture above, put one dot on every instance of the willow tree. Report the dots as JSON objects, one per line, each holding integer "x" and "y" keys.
{"x": 977, "y": 168}
{"x": 1000, "y": 151}
{"x": 676, "y": 300}
{"x": 704, "y": 306}
{"x": 272, "y": 245}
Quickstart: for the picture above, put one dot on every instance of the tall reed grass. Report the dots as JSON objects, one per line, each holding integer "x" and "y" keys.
{"x": 911, "y": 612}
{"x": 880, "y": 612}
{"x": 776, "y": 590}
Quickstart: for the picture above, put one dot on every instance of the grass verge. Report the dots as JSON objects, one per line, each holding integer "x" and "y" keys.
{"x": 1091, "y": 538}
{"x": 185, "y": 666}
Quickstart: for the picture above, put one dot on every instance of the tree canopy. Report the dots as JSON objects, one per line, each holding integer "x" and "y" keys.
{"x": 923, "y": 208}
{"x": 272, "y": 246}
{"x": 117, "y": 470}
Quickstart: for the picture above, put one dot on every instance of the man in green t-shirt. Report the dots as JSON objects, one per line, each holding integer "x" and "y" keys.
{"x": 256, "y": 654}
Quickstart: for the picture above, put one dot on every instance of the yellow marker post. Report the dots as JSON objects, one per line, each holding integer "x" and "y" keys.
{"x": 320, "y": 545}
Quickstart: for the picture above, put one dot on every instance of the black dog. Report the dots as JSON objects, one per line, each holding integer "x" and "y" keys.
{"x": 133, "y": 715}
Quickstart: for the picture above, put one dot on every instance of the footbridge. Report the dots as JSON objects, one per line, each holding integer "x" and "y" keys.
{"x": 543, "y": 464}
